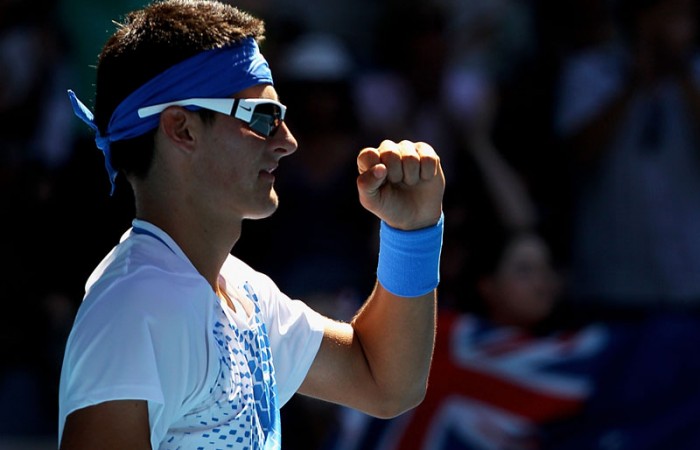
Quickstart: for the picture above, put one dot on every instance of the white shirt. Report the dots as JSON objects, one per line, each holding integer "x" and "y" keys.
{"x": 151, "y": 328}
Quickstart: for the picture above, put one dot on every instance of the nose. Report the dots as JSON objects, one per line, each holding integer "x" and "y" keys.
{"x": 284, "y": 141}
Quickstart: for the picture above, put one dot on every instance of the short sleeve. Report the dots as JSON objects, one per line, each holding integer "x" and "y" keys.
{"x": 295, "y": 342}
{"x": 295, "y": 332}
{"x": 138, "y": 340}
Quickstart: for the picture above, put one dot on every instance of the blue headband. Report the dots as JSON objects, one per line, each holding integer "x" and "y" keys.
{"x": 217, "y": 73}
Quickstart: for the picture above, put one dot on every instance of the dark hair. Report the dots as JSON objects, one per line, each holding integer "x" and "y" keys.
{"x": 150, "y": 41}
{"x": 487, "y": 250}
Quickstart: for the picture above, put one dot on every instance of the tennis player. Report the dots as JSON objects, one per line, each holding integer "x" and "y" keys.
{"x": 180, "y": 345}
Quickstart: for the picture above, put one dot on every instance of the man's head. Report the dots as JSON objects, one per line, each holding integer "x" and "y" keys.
{"x": 149, "y": 42}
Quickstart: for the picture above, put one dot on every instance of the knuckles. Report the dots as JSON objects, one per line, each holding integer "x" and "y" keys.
{"x": 405, "y": 153}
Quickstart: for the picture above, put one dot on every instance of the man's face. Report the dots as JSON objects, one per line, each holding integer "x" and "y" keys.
{"x": 235, "y": 170}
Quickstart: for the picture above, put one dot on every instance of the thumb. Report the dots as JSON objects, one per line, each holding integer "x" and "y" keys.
{"x": 371, "y": 180}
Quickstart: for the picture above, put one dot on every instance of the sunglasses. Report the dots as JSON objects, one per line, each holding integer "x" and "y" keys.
{"x": 262, "y": 115}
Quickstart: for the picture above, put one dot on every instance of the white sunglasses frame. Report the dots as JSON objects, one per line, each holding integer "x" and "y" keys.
{"x": 240, "y": 108}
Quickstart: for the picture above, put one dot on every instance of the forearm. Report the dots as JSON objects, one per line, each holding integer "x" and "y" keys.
{"x": 508, "y": 192}
{"x": 396, "y": 326}
{"x": 397, "y": 336}
{"x": 379, "y": 363}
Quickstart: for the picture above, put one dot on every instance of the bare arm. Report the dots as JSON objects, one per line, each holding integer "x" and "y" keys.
{"x": 510, "y": 196}
{"x": 112, "y": 425}
{"x": 379, "y": 363}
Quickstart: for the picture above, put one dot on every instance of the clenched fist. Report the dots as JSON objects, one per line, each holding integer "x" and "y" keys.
{"x": 401, "y": 183}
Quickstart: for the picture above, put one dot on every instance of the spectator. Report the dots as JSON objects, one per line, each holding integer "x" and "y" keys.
{"x": 35, "y": 145}
{"x": 627, "y": 110}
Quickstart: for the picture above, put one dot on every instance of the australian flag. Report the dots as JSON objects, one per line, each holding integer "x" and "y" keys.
{"x": 622, "y": 385}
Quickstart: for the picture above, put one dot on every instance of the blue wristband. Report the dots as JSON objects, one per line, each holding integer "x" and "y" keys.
{"x": 409, "y": 261}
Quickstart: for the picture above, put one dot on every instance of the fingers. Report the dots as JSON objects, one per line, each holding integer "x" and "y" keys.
{"x": 429, "y": 161}
{"x": 405, "y": 162}
{"x": 368, "y": 158}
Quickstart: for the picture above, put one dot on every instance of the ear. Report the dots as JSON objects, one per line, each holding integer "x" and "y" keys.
{"x": 179, "y": 127}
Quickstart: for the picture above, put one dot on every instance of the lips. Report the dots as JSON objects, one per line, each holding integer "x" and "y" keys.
{"x": 267, "y": 172}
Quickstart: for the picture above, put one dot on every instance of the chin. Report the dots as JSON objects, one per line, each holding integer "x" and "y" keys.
{"x": 265, "y": 211}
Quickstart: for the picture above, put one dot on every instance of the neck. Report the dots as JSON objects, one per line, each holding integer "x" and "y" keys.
{"x": 206, "y": 243}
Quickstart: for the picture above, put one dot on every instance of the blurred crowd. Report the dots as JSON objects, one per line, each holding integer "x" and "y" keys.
{"x": 570, "y": 279}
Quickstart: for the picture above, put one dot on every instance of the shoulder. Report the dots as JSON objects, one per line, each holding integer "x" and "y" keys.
{"x": 280, "y": 313}
{"x": 140, "y": 285}
{"x": 128, "y": 326}
{"x": 147, "y": 296}
{"x": 256, "y": 285}
{"x": 236, "y": 269}
{"x": 135, "y": 253}
{"x": 141, "y": 272}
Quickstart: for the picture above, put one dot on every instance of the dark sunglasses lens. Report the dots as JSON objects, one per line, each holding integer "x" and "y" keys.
{"x": 266, "y": 119}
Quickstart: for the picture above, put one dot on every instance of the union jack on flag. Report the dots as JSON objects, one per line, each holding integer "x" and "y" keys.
{"x": 501, "y": 388}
